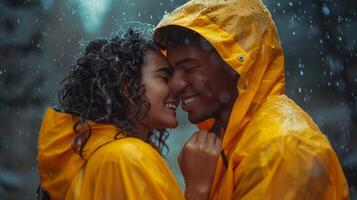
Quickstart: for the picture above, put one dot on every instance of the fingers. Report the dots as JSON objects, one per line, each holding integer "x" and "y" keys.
{"x": 193, "y": 138}
{"x": 201, "y": 141}
{"x": 202, "y": 137}
{"x": 211, "y": 139}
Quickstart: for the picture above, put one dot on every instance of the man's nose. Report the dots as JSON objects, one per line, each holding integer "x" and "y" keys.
{"x": 177, "y": 83}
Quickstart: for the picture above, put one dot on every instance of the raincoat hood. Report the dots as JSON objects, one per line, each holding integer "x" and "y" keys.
{"x": 245, "y": 36}
{"x": 58, "y": 163}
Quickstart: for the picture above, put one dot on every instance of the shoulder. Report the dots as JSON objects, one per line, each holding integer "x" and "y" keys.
{"x": 280, "y": 116}
{"x": 129, "y": 150}
{"x": 280, "y": 122}
{"x": 286, "y": 113}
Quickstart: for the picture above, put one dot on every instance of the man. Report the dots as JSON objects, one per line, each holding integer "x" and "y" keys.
{"x": 229, "y": 72}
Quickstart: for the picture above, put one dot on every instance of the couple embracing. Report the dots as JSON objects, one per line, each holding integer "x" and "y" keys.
{"x": 223, "y": 62}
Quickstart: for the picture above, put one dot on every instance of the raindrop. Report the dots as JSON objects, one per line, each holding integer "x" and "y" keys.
{"x": 108, "y": 101}
{"x": 2, "y": 71}
{"x": 301, "y": 73}
{"x": 291, "y": 4}
{"x": 325, "y": 9}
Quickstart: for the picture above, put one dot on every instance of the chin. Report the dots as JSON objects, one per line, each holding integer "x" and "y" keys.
{"x": 169, "y": 123}
{"x": 194, "y": 119}
{"x": 197, "y": 118}
{"x": 172, "y": 124}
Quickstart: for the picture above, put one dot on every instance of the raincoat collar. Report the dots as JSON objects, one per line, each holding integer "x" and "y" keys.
{"x": 245, "y": 36}
{"x": 58, "y": 163}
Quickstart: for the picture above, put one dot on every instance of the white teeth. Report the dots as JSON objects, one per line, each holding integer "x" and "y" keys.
{"x": 188, "y": 100}
{"x": 171, "y": 106}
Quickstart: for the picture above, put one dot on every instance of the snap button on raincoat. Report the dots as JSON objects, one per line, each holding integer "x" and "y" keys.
{"x": 274, "y": 149}
{"x": 124, "y": 168}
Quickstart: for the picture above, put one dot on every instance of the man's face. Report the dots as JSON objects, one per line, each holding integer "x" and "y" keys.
{"x": 202, "y": 81}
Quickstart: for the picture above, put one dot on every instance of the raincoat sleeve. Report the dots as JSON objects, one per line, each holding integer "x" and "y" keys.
{"x": 134, "y": 172}
{"x": 289, "y": 168}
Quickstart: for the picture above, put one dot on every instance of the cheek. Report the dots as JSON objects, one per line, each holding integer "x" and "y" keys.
{"x": 156, "y": 91}
{"x": 198, "y": 81}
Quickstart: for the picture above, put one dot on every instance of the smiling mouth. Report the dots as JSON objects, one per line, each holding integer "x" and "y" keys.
{"x": 171, "y": 106}
{"x": 187, "y": 101}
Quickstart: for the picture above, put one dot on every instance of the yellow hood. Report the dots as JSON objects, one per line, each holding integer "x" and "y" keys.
{"x": 58, "y": 163}
{"x": 245, "y": 36}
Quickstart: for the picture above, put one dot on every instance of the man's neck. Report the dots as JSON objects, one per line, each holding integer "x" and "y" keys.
{"x": 221, "y": 121}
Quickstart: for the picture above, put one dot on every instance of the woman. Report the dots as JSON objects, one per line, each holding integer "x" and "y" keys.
{"x": 105, "y": 140}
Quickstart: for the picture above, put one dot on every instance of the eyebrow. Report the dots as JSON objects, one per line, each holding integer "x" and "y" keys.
{"x": 183, "y": 61}
{"x": 165, "y": 69}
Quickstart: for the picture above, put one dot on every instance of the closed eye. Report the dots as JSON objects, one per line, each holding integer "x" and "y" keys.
{"x": 190, "y": 69}
{"x": 165, "y": 78}
{"x": 165, "y": 73}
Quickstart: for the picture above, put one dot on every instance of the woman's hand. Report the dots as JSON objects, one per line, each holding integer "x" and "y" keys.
{"x": 197, "y": 162}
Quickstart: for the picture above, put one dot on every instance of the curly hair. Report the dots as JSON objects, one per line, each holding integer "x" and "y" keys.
{"x": 104, "y": 82}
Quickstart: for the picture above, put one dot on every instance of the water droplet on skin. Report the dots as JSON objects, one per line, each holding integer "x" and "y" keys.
{"x": 224, "y": 96}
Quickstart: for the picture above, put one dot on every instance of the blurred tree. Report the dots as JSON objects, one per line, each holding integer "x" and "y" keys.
{"x": 341, "y": 46}
{"x": 22, "y": 80}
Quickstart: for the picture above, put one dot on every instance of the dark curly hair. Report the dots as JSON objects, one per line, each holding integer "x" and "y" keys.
{"x": 104, "y": 82}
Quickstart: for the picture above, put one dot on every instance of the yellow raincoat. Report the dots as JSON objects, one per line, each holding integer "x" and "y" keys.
{"x": 274, "y": 149}
{"x": 124, "y": 168}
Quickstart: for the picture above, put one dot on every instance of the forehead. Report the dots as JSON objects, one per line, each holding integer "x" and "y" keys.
{"x": 153, "y": 60}
{"x": 154, "y": 57}
{"x": 177, "y": 53}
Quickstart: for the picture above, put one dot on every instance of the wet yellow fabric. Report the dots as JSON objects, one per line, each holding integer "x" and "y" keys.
{"x": 274, "y": 149}
{"x": 122, "y": 168}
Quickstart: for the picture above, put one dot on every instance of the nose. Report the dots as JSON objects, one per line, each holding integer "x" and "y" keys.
{"x": 177, "y": 83}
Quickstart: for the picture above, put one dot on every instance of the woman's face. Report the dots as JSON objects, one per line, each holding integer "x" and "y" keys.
{"x": 156, "y": 74}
